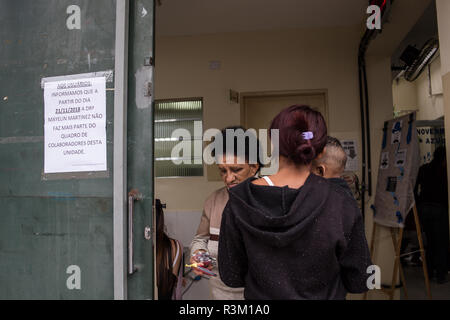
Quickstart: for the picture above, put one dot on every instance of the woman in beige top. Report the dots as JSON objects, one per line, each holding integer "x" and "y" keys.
{"x": 234, "y": 170}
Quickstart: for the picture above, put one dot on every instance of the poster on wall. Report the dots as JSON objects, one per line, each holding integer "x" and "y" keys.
{"x": 351, "y": 150}
{"x": 75, "y": 125}
{"x": 399, "y": 166}
{"x": 396, "y": 135}
{"x": 430, "y": 138}
{"x": 384, "y": 161}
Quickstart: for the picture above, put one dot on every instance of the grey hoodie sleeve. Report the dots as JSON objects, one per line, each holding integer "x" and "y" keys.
{"x": 354, "y": 257}
{"x": 200, "y": 241}
{"x": 232, "y": 257}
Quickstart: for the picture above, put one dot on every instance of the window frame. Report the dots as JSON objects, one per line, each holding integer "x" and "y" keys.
{"x": 193, "y": 99}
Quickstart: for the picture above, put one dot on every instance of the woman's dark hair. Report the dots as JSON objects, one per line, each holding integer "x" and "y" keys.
{"x": 164, "y": 272}
{"x": 439, "y": 154}
{"x": 292, "y": 122}
{"x": 249, "y": 137}
{"x": 439, "y": 161}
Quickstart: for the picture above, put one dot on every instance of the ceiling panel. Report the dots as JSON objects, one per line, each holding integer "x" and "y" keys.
{"x": 193, "y": 17}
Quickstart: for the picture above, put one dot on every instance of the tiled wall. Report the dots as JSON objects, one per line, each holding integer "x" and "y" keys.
{"x": 182, "y": 225}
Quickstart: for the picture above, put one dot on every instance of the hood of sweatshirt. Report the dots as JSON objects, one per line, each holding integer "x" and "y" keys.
{"x": 342, "y": 184}
{"x": 278, "y": 216}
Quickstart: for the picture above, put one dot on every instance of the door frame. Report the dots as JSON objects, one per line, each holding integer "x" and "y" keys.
{"x": 120, "y": 150}
{"x": 281, "y": 93}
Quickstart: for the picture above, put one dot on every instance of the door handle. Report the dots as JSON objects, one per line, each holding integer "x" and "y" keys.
{"x": 133, "y": 195}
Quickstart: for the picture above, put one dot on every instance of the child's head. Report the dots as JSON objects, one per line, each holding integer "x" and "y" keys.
{"x": 331, "y": 163}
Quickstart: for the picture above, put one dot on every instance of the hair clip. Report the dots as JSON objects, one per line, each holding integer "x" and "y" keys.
{"x": 307, "y": 135}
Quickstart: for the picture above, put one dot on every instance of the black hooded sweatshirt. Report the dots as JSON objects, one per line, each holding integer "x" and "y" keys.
{"x": 291, "y": 244}
{"x": 343, "y": 184}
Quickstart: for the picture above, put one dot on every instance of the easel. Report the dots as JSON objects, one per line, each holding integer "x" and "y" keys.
{"x": 397, "y": 242}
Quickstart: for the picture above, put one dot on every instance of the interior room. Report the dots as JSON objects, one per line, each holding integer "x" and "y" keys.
{"x": 231, "y": 63}
{"x": 421, "y": 93}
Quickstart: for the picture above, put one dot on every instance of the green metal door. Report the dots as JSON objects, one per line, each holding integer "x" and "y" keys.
{"x": 65, "y": 234}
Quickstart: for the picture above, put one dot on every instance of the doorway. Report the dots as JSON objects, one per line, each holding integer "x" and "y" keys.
{"x": 258, "y": 109}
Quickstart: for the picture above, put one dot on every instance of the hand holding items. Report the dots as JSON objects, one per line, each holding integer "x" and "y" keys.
{"x": 202, "y": 262}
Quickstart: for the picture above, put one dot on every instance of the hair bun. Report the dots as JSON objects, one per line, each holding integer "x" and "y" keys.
{"x": 304, "y": 153}
{"x": 302, "y": 133}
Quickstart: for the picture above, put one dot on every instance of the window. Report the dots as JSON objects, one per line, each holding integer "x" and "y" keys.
{"x": 171, "y": 115}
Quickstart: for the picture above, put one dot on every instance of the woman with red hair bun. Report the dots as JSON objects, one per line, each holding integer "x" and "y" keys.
{"x": 294, "y": 235}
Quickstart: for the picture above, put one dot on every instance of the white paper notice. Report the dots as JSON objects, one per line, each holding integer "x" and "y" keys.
{"x": 75, "y": 125}
{"x": 352, "y": 154}
{"x": 400, "y": 158}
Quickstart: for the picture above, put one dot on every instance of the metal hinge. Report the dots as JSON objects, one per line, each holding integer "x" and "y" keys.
{"x": 148, "y": 90}
{"x": 149, "y": 62}
{"x": 148, "y": 233}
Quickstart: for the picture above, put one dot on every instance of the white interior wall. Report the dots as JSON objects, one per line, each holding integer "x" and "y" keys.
{"x": 430, "y": 107}
{"x": 405, "y": 95}
{"x": 415, "y": 95}
{"x": 255, "y": 62}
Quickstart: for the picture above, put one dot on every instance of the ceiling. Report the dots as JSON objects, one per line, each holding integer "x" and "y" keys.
{"x": 425, "y": 29}
{"x": 194, "y": 17}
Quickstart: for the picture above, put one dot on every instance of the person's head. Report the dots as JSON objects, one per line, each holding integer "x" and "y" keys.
{"x": 331, "y": 163}
{"x": 237, "y": 165}
{"x": 302, "y": 134}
